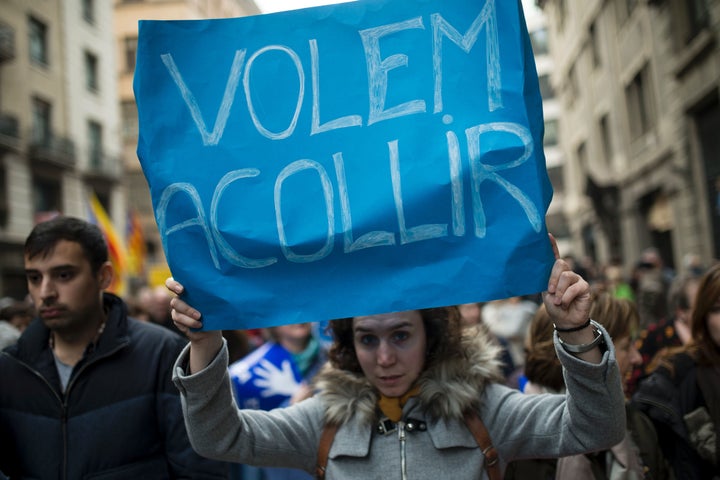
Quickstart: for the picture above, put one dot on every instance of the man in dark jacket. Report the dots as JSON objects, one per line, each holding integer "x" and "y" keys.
{"x": 87, "y": 391}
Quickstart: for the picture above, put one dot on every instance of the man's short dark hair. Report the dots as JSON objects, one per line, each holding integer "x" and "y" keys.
{"x": 45, "y": 236}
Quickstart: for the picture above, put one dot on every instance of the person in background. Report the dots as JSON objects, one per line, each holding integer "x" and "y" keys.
{"x": 470, "y": 317}
{"x": 8, "y": 334}
{"x": 87, "y": 391}
{"x": 408, "y": 394}
{"x": 638, "y": 455}
{"x": 509, "y": 319}
{"x": 653, "y": 281}
{"x": 155, "y": 302}
{"x": 668, "y": 333}
{"x": 280, "y": 372}
{"x": 19, "y": 314}
{"x": 682, "y": 396}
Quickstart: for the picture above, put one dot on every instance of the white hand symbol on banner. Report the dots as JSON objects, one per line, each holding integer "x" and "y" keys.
{"x": 274, "y": 381}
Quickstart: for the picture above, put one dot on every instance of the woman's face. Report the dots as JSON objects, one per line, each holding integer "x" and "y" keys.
{"x": 391, "y": 350}
{"x": 627, "y": 356}
{"x": 713, "y": 320}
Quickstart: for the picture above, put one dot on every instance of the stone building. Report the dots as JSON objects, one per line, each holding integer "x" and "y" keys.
{"x": 127, "y": 14}
{"x": 639, "y": 83}
{"x": 59, "y": 120}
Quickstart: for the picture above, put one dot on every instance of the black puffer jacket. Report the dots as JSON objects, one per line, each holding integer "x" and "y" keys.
{"x": 120, "y": 416}
{"x": 666, "y": 396}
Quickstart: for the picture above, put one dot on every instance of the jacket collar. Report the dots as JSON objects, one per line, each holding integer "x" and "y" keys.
{"x": 32, "y": 346}
{"x": 447, "y": 390}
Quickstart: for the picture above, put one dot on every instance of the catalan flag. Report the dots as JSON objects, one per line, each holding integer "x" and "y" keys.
{"x": 135, "y": 241}
{"x": 116, "y": 249}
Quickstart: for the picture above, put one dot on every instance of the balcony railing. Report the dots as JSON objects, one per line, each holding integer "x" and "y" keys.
{"x": 101, "y": 165}
{"x": 52, "y": 150}
{"x": 9, "y": 132}
{"x": 7, "y": 42}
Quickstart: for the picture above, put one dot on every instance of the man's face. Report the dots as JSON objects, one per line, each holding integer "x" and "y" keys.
{"x": 65, "y": 291}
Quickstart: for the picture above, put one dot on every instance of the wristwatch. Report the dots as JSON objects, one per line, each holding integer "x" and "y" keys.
{"x": 599, "y": 340}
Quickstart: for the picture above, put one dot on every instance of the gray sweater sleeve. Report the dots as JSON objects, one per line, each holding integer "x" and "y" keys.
{"x": 589, "y": 417}
{"x": 284, "y": 437}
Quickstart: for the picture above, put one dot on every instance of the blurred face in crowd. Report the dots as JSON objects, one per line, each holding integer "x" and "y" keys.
{"x": 294, "y": 337}
{"x": 627, "y": 356}
{"x": 713, "y": 320}
{"x": 469, "y": 314}
{"x": 391, "y": 350}
{"x": 67, "y": 294}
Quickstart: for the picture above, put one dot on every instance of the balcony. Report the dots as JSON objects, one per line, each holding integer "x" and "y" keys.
{"x": 7, "y": 42}
{"x": 102, "y": 167}
{"x": 9, "y": 132}
{"x": 52, "y": 150}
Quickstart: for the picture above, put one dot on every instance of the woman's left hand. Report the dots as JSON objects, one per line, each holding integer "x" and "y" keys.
{"x": 567, "y": 298}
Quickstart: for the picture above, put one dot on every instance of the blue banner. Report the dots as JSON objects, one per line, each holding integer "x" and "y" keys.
{"x": 358, "y": 158}
{"x": 265, "y": 379}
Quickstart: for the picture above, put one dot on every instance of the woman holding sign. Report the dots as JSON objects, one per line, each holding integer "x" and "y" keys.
{"x": 409, "y": 395}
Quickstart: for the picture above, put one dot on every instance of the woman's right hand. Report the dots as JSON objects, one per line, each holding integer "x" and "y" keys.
{"x": 204, "y": 345}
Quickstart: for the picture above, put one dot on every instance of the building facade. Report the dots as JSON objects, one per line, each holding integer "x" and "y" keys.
{"x": 556, "y": 220}
{"x": 58, "y": 120}
{"x": 639, "y": 83}
{"x": 127, "y": 15}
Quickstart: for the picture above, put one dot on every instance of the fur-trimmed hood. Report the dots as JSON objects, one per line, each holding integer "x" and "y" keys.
{"x": 447, "y": 389}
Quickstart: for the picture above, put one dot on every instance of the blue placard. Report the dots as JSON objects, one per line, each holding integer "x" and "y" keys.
{"x": 265, "y": 379}
{"x": 358, "y": 158}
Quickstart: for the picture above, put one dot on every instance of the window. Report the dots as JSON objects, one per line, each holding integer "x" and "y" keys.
{"x": 95, "y": 145}
{"x": 41, "y": 129}
{"x": 698, "y": 17}
{"x": 4, "y": 200}
{"x": 539, "y": 41}
{"x": 605, "y": 139}
{"x": 88, "y": 11}
{"x": 38, "y": 41}
{"x": 47, "y": 195}
{"x": 573, "y": 85}
{"x": 561, "y": 14}
{"x": 130, "y": 53}
{"x": 91, "y": 72}
{"x": 582, "y": 158}
{"x": 594, "y": 46}
{"x": 546, "y": 89}
{"x": 551, "y": 133}
{"x": 640, "y": 103}
{"x": 129, "y": 120}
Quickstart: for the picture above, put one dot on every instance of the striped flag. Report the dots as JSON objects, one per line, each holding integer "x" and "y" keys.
{"x": 135, "y": 241}
{"x": 116, "y": 249}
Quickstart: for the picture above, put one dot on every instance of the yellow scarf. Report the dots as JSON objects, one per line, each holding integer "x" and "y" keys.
{"x": 392, "y": 407}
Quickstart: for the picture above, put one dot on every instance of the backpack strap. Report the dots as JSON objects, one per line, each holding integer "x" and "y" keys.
{"x": 482, "y": 437}
{"x": 326, "y": 440}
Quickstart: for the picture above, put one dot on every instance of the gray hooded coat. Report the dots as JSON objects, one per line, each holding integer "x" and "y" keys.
{"x": 437, "y": 444}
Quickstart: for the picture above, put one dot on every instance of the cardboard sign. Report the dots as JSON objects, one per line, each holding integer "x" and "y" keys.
{"x": 335, "y": 161}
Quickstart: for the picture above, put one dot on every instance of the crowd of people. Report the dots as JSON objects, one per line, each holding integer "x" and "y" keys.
{"x": 525, "y": 387}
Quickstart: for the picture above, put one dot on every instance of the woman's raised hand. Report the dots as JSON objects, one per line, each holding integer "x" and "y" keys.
{"x": 567, "y": 298}
{"x": 204, "y": 345}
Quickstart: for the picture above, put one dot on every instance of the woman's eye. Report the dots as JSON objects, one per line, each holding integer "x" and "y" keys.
{"x": 400, "y": 336}
{"x": 368, "y": 340}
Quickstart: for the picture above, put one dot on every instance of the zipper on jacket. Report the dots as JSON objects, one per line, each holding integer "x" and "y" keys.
{"x": 401, "y": 437}
{"x": 63, "y": 410}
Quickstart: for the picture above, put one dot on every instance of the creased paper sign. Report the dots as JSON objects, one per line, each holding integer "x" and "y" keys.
{"x": 357, "y": 158}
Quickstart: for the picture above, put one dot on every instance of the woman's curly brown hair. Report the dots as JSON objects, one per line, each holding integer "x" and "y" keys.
{"x": 442, "y": 328}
